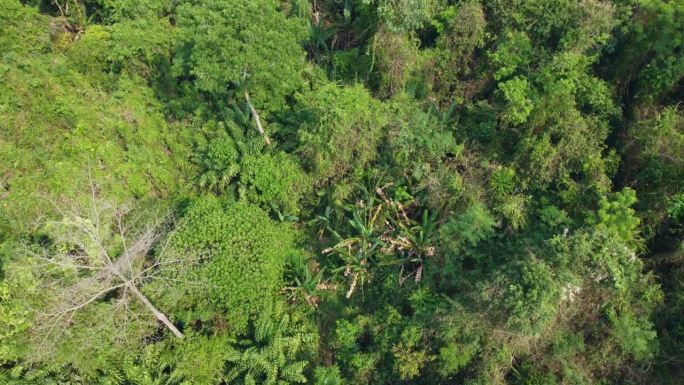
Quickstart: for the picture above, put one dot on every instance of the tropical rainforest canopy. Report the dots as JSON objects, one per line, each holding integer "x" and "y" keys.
{"x": 331, "y": 192}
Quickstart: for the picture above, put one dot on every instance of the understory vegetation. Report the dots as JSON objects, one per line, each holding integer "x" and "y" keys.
{"x": 332, "y": 192}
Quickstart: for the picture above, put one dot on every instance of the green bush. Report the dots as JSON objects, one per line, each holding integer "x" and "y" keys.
{"x": 341, "y": 129}
{"x": 397, "y": 58}
{"x": 533, "y": 297}
{"x": 463, "y": 33}
{"x": 270, "y": 60}
{"x": 274, "y": 180}
{"x": 240, "y": 255}
{"x": 518, "y": 100}
{"x": 404, "y": 15}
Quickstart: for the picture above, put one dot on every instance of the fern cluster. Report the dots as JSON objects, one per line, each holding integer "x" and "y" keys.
{"x": 275, "y": 353}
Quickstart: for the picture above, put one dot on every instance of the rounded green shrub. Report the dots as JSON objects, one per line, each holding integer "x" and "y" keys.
{"x": 238, "y": 254}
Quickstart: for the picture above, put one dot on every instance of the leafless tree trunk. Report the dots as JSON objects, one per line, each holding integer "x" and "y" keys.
{"x": 160, "y": 316}
{"x": 257, "y": 120}
{"x": 253, "y": 110}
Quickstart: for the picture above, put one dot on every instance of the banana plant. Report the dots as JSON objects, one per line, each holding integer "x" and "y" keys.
{"x": 360, "y": 251}
{"x": 419, "y": 239}
{"x": 381, "y": 232}
{"x": 303, "y": 283}
{"x": 318, "y": 38}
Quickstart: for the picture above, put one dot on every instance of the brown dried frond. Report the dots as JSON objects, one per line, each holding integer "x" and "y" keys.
{"x": 352, "y": 286}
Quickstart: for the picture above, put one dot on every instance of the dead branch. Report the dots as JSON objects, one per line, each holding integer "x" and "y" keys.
{"x": 160, "y": 316}
{"x": 257, "y": 120}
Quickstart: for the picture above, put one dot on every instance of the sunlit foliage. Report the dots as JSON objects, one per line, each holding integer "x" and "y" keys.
{"x": 339, "y": 192}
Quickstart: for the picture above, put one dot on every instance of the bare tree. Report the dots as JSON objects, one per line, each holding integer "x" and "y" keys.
{"x": 101, "y": 252}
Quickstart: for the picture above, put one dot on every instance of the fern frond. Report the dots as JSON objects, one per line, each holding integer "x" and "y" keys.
{"x": 293, "y": 372}
{"x": 249, "y": 380}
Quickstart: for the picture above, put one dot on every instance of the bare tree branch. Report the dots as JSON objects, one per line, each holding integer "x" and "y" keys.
{"x": 160, "y": 316}
{"x": 89, "y": 301}
{"x": 108, "y": 256}
{"x": 257, "y": 120}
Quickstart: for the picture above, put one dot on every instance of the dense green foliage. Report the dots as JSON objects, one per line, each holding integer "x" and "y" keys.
{"x": 277, "y": 192}
{"x": 246, "y": 253}
{"x": 220, "y": 50}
